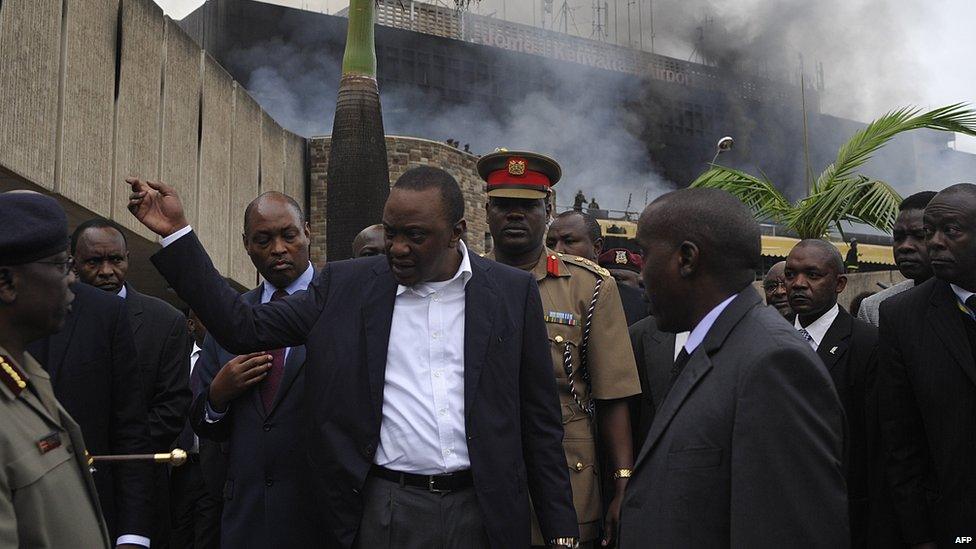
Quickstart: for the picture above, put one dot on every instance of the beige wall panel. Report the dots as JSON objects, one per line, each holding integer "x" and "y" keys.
{"x": 214, "y": 201}
{"x": 245, "y": 169}
{"x": 272, "y": 151}
{"x": 30, "y": 59}
{"x": 295, "y": 167}
{"x": 181, "y": 117}
{"x": 85, "y": 168}
{"x": 138, "y": 105}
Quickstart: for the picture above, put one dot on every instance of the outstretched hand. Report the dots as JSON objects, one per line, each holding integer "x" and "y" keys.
{"x": 156, "y": 205}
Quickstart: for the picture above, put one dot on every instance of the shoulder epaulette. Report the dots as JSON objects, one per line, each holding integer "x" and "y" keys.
{"x": 586, "y": 264}
{"x": 12, "y": 376}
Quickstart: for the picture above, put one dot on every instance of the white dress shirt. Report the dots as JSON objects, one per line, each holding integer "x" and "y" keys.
{"x": 194, "y": 356}
{"x": 267, "y": 291}
{"x": 133, "y": 539}
{"x": 818, "y": 328}
{"x": 697, "y": 336}
{"x": 963, "y": 296}
{"x": 422, "y": 430}
{"x": 680, "y": 339}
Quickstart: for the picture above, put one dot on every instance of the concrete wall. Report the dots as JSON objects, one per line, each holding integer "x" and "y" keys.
{"x": 94, "y": 91}
{"x": 403, "y": 153}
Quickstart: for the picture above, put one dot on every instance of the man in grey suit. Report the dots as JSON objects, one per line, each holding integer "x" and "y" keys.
{"x": 746, "y": 449}
{"x": 911, "y": 257}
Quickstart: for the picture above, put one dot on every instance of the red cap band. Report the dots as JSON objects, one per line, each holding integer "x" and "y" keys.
{"x": 530, "y": 178}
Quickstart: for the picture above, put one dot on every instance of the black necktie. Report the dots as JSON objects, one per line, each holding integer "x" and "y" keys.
{"x": 971, "y": 303}
{"x": 679, "y": 364}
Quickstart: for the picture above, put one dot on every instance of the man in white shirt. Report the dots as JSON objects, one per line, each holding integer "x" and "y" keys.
{"x": 745, "y": 450}
{"x": 416, "y": 439}
{"x": 815, "y": 276}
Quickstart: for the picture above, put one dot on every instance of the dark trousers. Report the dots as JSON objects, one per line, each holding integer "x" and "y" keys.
{"x": 405, "y": 517}
{"x": 195, "y": 509}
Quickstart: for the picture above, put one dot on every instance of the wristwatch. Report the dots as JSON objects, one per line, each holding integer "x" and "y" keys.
{"x": 568, "y": 543}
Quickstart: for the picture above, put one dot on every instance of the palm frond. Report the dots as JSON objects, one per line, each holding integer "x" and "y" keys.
{"x": 759, "y": 194}
{"x": 857, "y": 199}
{"x": 862, "y": 146}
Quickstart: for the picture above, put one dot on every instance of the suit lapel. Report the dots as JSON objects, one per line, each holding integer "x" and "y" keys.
{"x": 945, "y": 319}
{"x": 479, "y": 318}
{"x": 698, "y": 366}
{"x": 659, "y": 350}
{"x": 58, "y": 345}
{"x": 378, "y": 319}
{"x": 833, "y": 347}
{"x": 134, "y": 305}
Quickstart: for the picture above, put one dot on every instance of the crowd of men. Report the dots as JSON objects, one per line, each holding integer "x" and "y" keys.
{"x": 551, "y": 393}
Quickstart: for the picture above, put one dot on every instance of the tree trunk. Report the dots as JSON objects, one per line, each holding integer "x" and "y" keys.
{"x": 358, "y": 180}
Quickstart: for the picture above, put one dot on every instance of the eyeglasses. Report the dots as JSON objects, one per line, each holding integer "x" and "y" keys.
{"x": 63, "y": 266}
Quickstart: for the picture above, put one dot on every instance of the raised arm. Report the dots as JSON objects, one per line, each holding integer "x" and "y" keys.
{"x": 236, "y": 325}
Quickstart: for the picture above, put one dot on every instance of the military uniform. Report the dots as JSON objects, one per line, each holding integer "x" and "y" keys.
{"x": 567, "y": 284}
{"x": 47, "y": 497}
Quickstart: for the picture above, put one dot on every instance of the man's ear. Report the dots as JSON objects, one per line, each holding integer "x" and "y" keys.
{"x": 8, "y": 285}
{"x": 598, "y": 247}
{"x": 688, "y": 258}
{"x": 459, "y": 229}
{"x": 841, "y": 283}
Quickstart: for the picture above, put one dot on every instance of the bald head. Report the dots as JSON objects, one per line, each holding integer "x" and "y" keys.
{"x": 700, "y": 247}
{"x": 829, "y": 255}
{"x": 950, "y": 235}
{"x": 369, "y": 242}
{"x": 719, "y": 224}
{"x": 272, "y": 199}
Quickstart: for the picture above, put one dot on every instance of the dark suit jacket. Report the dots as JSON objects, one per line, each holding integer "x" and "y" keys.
{"x": 93, "y": 370}
{"x": 262, "y": 448}
{"x": 163, "y": 346}
{"x": 849, "y": 351}
{"x": 746, "y": 450}
{"x": 512, "y": 416}
{"x": 654, "y": 352}
{"x": 927, "y": 383}
{"x": 635, "y": 305}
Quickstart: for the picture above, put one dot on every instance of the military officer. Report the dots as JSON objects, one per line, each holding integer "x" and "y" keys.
{"x": 591, "y": 352}
{"x": 47, "y": 497}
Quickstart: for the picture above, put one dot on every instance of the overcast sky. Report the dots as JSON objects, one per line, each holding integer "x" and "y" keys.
{"x": 933, "y": 46}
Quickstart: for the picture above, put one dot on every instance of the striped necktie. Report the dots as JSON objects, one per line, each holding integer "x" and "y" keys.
{"x": 807, "y": 337}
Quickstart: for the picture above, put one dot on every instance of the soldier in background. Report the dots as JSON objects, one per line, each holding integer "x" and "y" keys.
{"x": 47, "y": 497}
{"x": 591, "y": 352}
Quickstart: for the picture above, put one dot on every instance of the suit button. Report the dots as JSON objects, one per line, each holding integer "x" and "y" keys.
{"x": 267, "y": 426}
{"x": 368, "y": 450}
{"x": 355, "y": 491}
{"x": 579, "y": 466}
{"x": 268, "y": 482}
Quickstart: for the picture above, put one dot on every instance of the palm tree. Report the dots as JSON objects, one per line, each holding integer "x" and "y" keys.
{"x": 358, "y": 179}
{"x": 840, "y": 194}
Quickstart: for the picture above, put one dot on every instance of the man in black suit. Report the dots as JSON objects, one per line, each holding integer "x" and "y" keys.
{"x": 196, "y": 487}
{"x": 261, "y": 419}
{"x": 450, "y": 418}
{"x": 746, "y": 449}
{"x": 92, "y": 366}
{"x": 162, "y": 343}
{"x": 654, "y": 352}
{"x": 927, "y": 381}
{"x": 848, "y": 347}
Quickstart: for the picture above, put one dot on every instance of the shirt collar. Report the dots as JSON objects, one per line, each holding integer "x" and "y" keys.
{"x": 300, "y": 283}
{"x": 818, "y": 328}
{"x": 464, "y": 273}
{"x": 697, "y": 336}
{"x": 196, "y": 349}
{"x": 962, "y": 295}
{"x": 122, "y": 292}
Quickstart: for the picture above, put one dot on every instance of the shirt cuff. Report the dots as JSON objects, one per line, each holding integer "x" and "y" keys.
{"x": 167, "y": 240}
{"x": 133, "y": 539}
{"x": 212, "y": 416}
